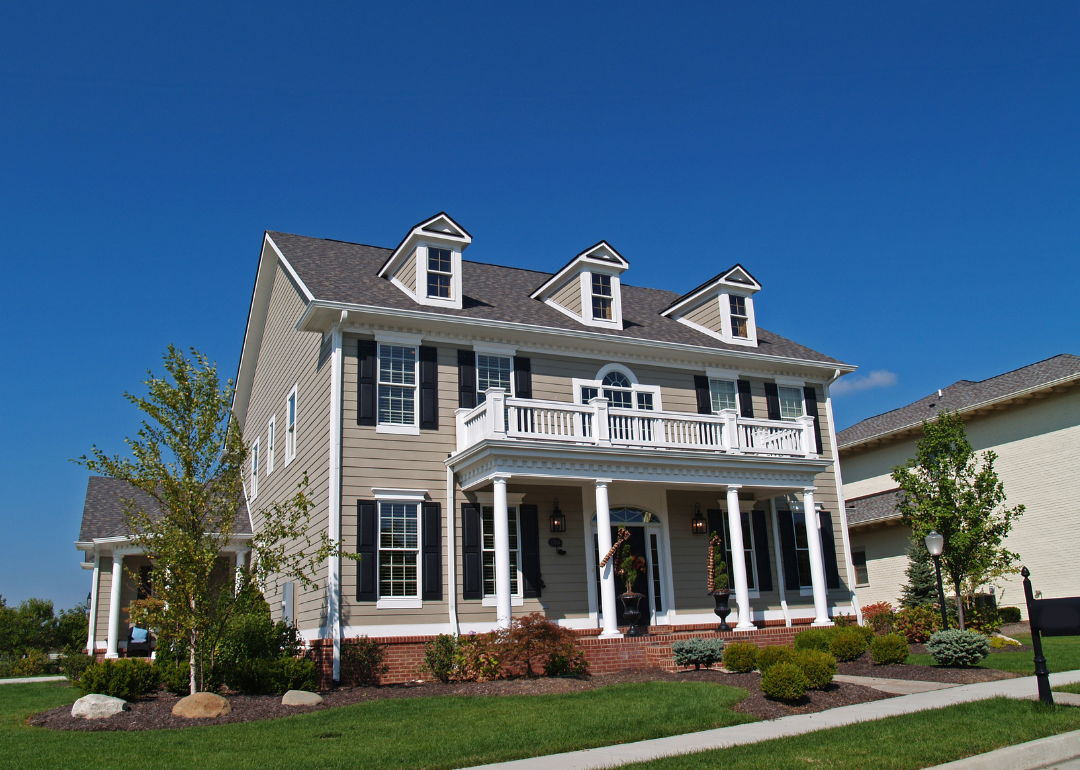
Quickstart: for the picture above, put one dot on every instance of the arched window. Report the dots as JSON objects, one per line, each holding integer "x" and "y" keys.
{"x": 618, "y": 390}
{"x": 621, "y": 388}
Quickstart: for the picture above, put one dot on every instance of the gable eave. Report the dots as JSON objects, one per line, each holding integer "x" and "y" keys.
{"x": 419, "y": 230}
{"x": 557, "y": 280}
{"x": 695, "y": 296}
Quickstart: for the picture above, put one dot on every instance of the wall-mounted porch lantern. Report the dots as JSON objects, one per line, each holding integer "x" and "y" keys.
{"x": 558, "y": 521}
{"x": 699, "y": 525}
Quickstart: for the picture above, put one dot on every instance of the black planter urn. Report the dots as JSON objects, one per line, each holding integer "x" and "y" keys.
{"x": 632, "y": 612}
{"x": 722, "y": 610}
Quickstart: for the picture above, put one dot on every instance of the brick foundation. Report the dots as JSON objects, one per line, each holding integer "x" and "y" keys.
{"x": 405, "y": 654}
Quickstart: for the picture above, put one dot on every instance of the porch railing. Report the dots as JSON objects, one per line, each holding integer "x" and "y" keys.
{"x": 597, "y": 424}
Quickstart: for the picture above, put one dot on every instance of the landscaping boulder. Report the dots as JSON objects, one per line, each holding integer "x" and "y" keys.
{"x": 201, "y": 705}
{"x": 301, "y": 698}
{"x": 98, "y": 706}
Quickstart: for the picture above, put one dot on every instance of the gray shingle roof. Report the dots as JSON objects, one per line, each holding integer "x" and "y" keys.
{"x": 877, "y": 507}
{"x": 104, "y": 512}
{"x": 961, "y": 395}
{"x": 347, "y": 272}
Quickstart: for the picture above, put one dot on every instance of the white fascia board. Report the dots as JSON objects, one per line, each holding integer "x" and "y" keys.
{"x": 466, "y": 326}
{"x": 494, "y": 349}
{"x": 967, "y": 409}
{"x": 409, "y": 495}
{"x": 556, "y": 280}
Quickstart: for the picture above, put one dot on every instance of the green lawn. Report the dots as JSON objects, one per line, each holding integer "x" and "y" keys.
{"x": 898, "y": 743}
{"x": 439, "y": 732}
{"x": 1073, "y": 688}
{"x": 1062, "y": 653}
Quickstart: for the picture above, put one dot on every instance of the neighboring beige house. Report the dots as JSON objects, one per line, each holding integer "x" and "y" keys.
{"x": 477, "y": 432}
{"x": 1031, "y": 418}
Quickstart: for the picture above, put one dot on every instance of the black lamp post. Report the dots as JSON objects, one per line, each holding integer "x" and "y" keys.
{"x": 935, "y": 544}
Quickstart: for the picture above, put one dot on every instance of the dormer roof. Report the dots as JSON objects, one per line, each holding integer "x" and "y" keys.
{"x": 440, "y": 227}
{"x": 601, "y": 255}
{"x": 736, "y": 277}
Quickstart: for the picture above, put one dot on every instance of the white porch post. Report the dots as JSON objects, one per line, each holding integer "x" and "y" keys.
{"x": 738, "y": 559}
{"x": 91, "y": 632}
{"x": 114, "y": 605}
{"x": 502, "y": 550}
{"x": 817, "y": 564}
{"x": 607, "y": 572}
{"x": 241, "y": 554}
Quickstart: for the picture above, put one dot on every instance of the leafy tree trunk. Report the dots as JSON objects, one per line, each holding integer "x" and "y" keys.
{"x": 192, "y": 640}
{"x": 959, "y": 604}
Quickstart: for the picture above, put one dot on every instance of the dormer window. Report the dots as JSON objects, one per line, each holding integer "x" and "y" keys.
{"x": 601, "y": 296}
{"x": 440, "y": 271}
{"x": 722, "y": 307}
{"x": 739, "y": 319}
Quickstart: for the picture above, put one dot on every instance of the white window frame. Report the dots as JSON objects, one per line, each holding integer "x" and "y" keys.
{"x": 615, "y": 322}
{"x": 480, "y": 397}
{"x": 292, "y": 423}
{"x": 401, "y": 428}
{"x": 609, "y": 297}
{"x": 735, "y": 389}
{"x": 800, "y": 398}
{"x": 449, "y": 274}
{"x": 254, "y": 470}
{"x": 727, "y": 333}
{"x": 399, "y": 497}
{"x": 748, "y": 545}
{"x": 271, "y": 437}
{"x": 635, "y": 387}
{"x": 744, "y": 316}
{"x": 855, "y": 568}
{"x": 421, "y": 295}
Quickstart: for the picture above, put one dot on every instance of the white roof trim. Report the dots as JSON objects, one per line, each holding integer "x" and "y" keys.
{"x": 423, "y": 231}
{"x": 618, "y": 264}
{"x": 711, "y": 289}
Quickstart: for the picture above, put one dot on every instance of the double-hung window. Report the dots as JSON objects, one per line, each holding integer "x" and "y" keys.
{"x": 601, "y": 296}
{"x": 397, "y": 385}
{"x": 487, "y": 524}
{"x": 290, "y": 427}
{"x": 723, "y": 395}
{"x": 802, "y": 548}
{"x": 493, "y": 372}
{"x": 740, "y": 320}
{"x": 858, "y": 561}
{"x": 440, "y": 271}
{"x": 399, "y": 548}
{"x": 270, "y": 429}
{"x": 791, "y": 403}
{"x": 254, "y": 469}
{"x": 749, "y": 556}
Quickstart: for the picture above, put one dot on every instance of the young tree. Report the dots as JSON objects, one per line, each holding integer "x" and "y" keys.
{"x": 189, "y": 458}
{"x": 945, "y": 488}
{"x": 921, "y": 588}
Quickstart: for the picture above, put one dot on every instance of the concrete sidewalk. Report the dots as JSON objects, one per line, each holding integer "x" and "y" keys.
{"x": 893, "y": 686}
{"x": 612, "y": 756}
{"x": 28, "y": 679}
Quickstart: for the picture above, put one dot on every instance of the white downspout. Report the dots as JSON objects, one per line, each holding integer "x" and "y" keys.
{"x": 333, "y": 576}
{"x": 849, "y": 564}
{"x": 779, "y": 562}
{"x": 451, "y": 552}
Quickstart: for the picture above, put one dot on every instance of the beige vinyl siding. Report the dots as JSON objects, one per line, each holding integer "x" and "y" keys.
{"x": 1038, "y": 448}
{"x": 407, "y": 274}
{"x": 101, "y": 632}
{"x": 552, "y": 380}
{"x": 287, "y": 358}
{"x": 708, "y": 315}
{"x": 569, "y": 295}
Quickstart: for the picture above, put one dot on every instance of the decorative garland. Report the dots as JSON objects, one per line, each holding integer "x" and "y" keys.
{"x": 624, "y": 535}
{"x": 715, "y": 543}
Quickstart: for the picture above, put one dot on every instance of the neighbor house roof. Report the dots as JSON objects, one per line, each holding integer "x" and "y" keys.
{"x": 104, "y": 514}
{"x": 964, "y": 396}
{"x": 872, "y": 508}
{"x": 337, "y": 271}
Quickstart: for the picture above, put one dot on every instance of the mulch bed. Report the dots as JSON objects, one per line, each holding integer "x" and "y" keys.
{"x": 155, "y": 713}
{"x": 864, "y": 666}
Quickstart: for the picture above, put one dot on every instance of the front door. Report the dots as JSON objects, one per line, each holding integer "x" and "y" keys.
{"x": 642, "y": 585}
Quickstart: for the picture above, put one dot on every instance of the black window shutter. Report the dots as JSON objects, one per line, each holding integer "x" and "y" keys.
{"x": 522, "y": 378}
{"x": 466, "y": 377}
{"x": 530, "y": 550}
{"x": 787, "y": 545}
{"x": 472, "y": 584}
{"x": 367, "y": 589}
{"x": 746, "y": 401}
{"x": 810, "y": 399}
{"x": 366, "y": 390}
{"x": 432, "y": 551}
{"x": 704, "y": 398}
{"x": 772, "y": 399}
{"x": 429, "y": 388}
{"x": 761, "y": 551}
{"x": 828, "y": 548}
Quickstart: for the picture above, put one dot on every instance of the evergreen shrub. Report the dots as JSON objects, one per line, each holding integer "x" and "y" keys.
{"x": 818, "y": 667}
{"x": 175, "y": 675}
{"x": 697, "y": 652}
{"x": 958, "y": 648}
{"x": 784, "y": 681}
{"x": 127, "y": 678}
{"x": 1009, "y": 614}
{"x": 813, "y": 639}
{"x": 848, "y": 644}
{"x": 740, "y": 657}
{"x": 889, "y": 649}
{"x": 767, "y": 657}
{"x": 568, "y": 661}
{"x": 271, "y": 677}
{"x": 72, "y": 666}
{"x": 439, "y": 657}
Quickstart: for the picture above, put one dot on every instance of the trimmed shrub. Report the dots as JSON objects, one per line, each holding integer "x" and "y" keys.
{"x": 879, "y": 616}
{"x": 818, "y": 667}
{"x": 848, "y": 644}
{"x": 740, "y": 657}
{"x": 33, "y": 663}
{"x": 918, "y": 623}
{"x": 362, "y": 661}
{"x": 570, "y": 661}
{"x": 1009, "y": 614}
{"x": 813, "y": 639}
{"x": 72, "y": 666}
{"x": 889, "y": 649}
{"x": 958, "y": 648}
{"x": 531, "y": 640}
{"x": 767, "y": 657}
{"x": 127, "y": 678}
{"x": 697, "y": 652}
{"x": 271, "y": 677}
{"x": 175, "y": 675}
{"x": 477, "y": 659}
{"x": 784, "y": 681}
{"x": 439, "y": 657}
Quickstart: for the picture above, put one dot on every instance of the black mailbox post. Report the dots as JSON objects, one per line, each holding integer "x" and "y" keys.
{"x": 1048, "y": 617}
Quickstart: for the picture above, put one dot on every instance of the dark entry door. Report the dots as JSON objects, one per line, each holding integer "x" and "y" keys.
{"x": 642, "y": 584}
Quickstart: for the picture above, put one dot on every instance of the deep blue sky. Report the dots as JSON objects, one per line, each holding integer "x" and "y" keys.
{"x": 904, "y": 183}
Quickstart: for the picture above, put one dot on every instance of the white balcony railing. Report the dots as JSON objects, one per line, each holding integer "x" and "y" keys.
{"x": 596, "y": 424}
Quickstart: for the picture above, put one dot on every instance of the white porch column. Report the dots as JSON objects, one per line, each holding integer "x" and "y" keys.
{"x": 502, "y": 552}
{"x": 738, "y": 559}
{"x": 91, "y": 632}
{"x": 817, "y": 564}
{"x": 607, "y": 572}
{"x": 241, "y": 554}
{"x": 114, "y": 605}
